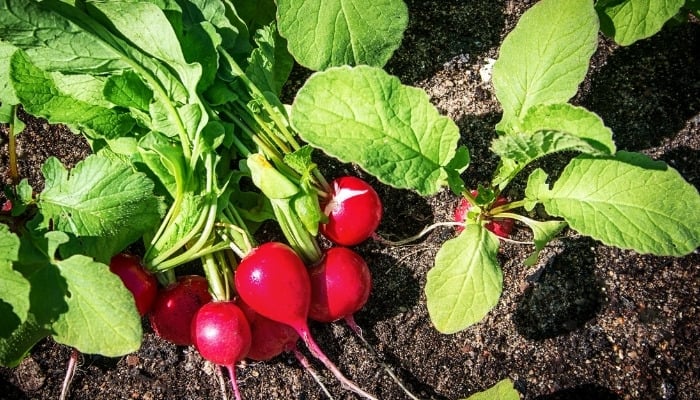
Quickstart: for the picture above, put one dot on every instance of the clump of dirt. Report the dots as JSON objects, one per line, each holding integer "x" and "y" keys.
{"x": 587, "y": 322}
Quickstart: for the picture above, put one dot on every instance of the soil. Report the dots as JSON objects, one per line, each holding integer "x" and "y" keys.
{"x": 587, "y": 322}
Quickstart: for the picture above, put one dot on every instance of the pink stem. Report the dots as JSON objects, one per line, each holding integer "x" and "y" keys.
{"x": 234, "y": 385}
{"x": 70, "y": 373}
{"x": 307, "y": 366}
{"x": 305, "y": 335}
{"x": 350, "y": 321}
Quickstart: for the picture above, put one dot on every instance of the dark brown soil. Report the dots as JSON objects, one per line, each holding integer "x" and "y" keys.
{"x": 588, "y": 322}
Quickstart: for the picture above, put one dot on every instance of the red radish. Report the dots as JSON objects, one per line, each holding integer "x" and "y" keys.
{"x": 271, "y": 338}
{"x": 268, "y": 338}
{"x": 141, "y": 283}
{"x": 501, "y": 227}
{"x": 354, "y": 211}
{"x": 176, "y": 305}
{"x": 274, "y": 282}
{"x": 270, "y": 274}
{"x": 340, "y": 285}
{"x": 6, "y": 206}
{"x": 221, "y": 334}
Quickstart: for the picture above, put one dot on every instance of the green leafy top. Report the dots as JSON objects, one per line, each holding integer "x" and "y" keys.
{"x": 462, "y": 289}
{"x": 502, "y": 390}
{"x": 104, "y": 203}
{"x": 628, "y": 201}
{"x": 79, "y": 301}
{"x": 329, "y": 33}
{"x": 628, "y": 21}
{"x": 545, "y": 58}
{"x": 366, "y": 116}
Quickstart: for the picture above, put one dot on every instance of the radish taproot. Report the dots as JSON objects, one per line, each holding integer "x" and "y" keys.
{"x": 221, "y": 334}
{"x": 340, "y": 285}
{"x": 354, "y": 211}
{"x": 176, "y": 305}
{"x": 501, "y": 227}
{"x": 141, "y": 283}
{"x": 274, "y": 282}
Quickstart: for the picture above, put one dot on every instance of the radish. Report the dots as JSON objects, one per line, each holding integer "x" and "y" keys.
{"x": 354, "y": 211}
{"x": 221, "y": 334}
{"x": 271, "y": 338}
{"x": 340, "y": 285}
{"x": 501, "y": 227}
{"x": 268, "y": 338}
{"x": 274, "y": 282}
{"x": 141, "y": 283}
{"x": 176, "y": 305}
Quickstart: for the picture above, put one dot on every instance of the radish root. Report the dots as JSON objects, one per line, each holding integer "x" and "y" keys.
{"x": 307, "y": 366}
{"x": 70, "y": 373}
{"x": 350, "y": 321}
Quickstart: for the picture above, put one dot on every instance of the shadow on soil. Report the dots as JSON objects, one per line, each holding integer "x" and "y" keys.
{"x": 685, "y": 160}
{"x": 477, "y": 132}
{"x": 11, "y": 392}
{"x": 405, "y": 212}
{"x": 441, "y": 32}
{"x": 581, "y": 392}
{"x": 664, "y": 95}
{"x": 399, "y": 289}
{"x": 562, "y": 296}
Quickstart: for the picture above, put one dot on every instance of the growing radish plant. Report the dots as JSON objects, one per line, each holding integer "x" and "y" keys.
{"x": 612, "y": 196}
{"x": 181, "y": 107}
{"x": 177, "y": 115}
{"x": 501, "y": 227}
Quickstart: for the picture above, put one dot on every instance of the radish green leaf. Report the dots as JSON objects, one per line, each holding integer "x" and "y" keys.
{"x": 101, "y": 316}
{"x": 39, "y": 95}
{"x": 630, "y": 20}
{"x": 545, "y": 58}
{"x": 329, "y": 33}
{"x": 502, "y": 390}
{"x": 14, "y": 288}
{"x": 366, "y": 116}
{"x": 543, "y": 232}
{"x": 270, "y": 63}
{"x": 628, "y": 201}
{"x": 104, "y": 203}
{"x": 576, "y": 121}
{"x": 546, "y": 129}
{"x": 461, "y": 289}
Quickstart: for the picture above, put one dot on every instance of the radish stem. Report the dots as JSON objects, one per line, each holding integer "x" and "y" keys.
{"x": 70, "y": 373}
{"x": 350, "y": 321}
{"x": 234, "y": 385}
{"x": 222, "y": 383}
{"x": 305, "y": 335}
{"x": 307, "y": 366}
